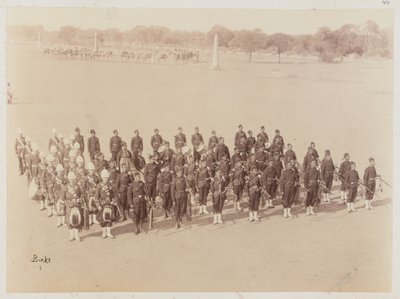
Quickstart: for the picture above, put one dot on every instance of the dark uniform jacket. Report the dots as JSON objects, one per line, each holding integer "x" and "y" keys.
{"x": 155, "y": 141}
{"x": 235, "y": 158}
{"x": 351, "y": 178}
{"x": 178, "y": 161}
{"x": 262, "y": 137}
{"x": 238, "y": 176}
{"x": 203, "y": 177}
{"x": 288, "y": 179}
{"x": 151, "y": 172}
{"x": 178, "y": 189}
{"x": 197, "y": 139}
{"x": 115, "y": 144}
{"x": 213, "y": 142}
{"x": 222, "y": 150}
{"x": 327, "y": 169}
{"x": 79, "y": 139}
{"x": 136, "y": 193}
{"x": 251, "y": 143}
{"x": 164, "y": 183}
{"x": 136, "y": 144}
{"x": 289, "y": 156}
{"x": 238, "y": 136}
{"x": 269, "y": 176}
{"x": 311, "y": 177}
{"x": 123, "y": 181}
{"x": 344, "y": 167}
{"x": 180, "y": 140}
{"x": 93, "y": 144}
{"x": 369, "y": 176}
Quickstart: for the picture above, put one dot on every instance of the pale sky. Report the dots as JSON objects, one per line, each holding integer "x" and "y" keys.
{"x": 287, "y": 21}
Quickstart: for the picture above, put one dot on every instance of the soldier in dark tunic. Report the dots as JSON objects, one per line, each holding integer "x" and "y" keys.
{"x": 213, "y": 141}
{"x": 197, "y": 140}
{"x": 203, "y": 186}
{"x": 156, "y": 141}
{"x": 137, "y": 203}
{"x": 218, "y": 190}
{"x": 278, "y": 142}
{"x": 254, "y": 191}
{"x": 369, "y": 179}
{"x": 80, "y": 140}
{"x": 180, "y": 139}
{"x": 250, "y": 143}
{"x": 239, "y": 135}
{"x": 262, "y": 137}
{"x": 308, "y": 158}
{"x": 269, "y": 180}
{"x": 115, "y": 145}
{"x": 351, "y": 179}
{"x": 235, "y": 158}
{"x": 222, "y": 150}
{"x": 289, "y": 155}
{"x": 164, "y": 189}
{"x": 178, "y": 160}
{"x": 91, "y": 181}
{"x": 327, "y": 171}
{"x": 179, "y": 191}
{"x": 262, "y": 157}
{"x": 58, "y": 185}
{"x": 288, "y": 187}
{"x": 150, "y": 174}
{"x": 136, "y": 145}
{"x": 93, "y": 144}
{"x": 166, "y": 155}
{"x": 277, "y": 163}
{"x": 344, "y": 167}
{"x": 124, "y": 179}
{"x": 312, "y": 177}
{"x": 238, "y": 183}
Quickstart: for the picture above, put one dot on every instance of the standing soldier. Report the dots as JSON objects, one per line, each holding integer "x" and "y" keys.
{"x": 179, "y": 190}
{"x": 222, "y": 150}
{"x": 243, "y": 148}
{"x": 203, "y": 186}
{"x": 239, "y": 135}
{"x": 315, "y": 152}
{"x": 79, "y": 170}
{"x": 277, "y": 163}
{"x": 238, "y": 182}
{"x": 137, "y": 203}
{"x": 136, "y": 145}
{"x": 166, "y": 155}
{"x": 344, "y": 167}
{"x": 164, "y": 189}
{"x": 210, "y": 162}
{"x": 150, "y": 174}
{"x": 178, "y": 160}
{"x": 235, "y": 158}
{"x": 122, "y": 183}
{"x": 288, "y": 187}
{"x": 191, "y": 173}
{"x": 180, "y": 139}
{"x": 213, "y": 140}
{"x": 105, "y": 199}
{"x": 34, "y": 161}
{"x": 327, "y": 170}
{"x": 262, "y": 157}
{"x": 59, "y": 183}
{"x": 93, "y": 145}
{"x": 65, "y": 154}
{"x": 262, "y": 137}
{"x": 50, "y": 172}
{"x": 219, "y": 186}
{"x": 156, "y": 141}
{"x": 370, "y": 182}
{"x": 250, "y": 164}
{"x": 290, "y": 155}
{"x": 225, "y": 168}
{"x": 197, "y": 140}
{"x": 308, "y": 158}
{"x": 74, "y": 201}
{"x": 115, "y": 145}
{"x": 79, "y": 139}
{"x": 139, "y": 162}
{"x": 124, "y": 157}
{"x": 54, "y": 140}
{"x": 253, "y": 189}
{"x": 42, "y": 193}
{"x": 251, "y": 143}
{"x": 90, "y": 187}
{"x": 19, "y": 148}
{"x": 278, "y": 142}
{"x": 352, "y": 180}
{"x": 269, "y": 180}
{"x": 312, "y": 177}
{"x": 26, "y": 155}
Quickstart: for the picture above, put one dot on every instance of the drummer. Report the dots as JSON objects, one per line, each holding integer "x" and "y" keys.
{"x": 156, "y": 141}
{"x": 180, "y": 139}
{"x": 198, "y": 144}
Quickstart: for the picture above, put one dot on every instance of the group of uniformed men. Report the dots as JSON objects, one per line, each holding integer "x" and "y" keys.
{"x": 82, "y": 193}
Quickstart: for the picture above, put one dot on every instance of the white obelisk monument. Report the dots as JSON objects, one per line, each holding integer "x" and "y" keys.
{"x": 215, "y": 63}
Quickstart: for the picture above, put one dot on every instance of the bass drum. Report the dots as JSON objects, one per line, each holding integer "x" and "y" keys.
{"x": 201, "y": 149}
{"x": 186, "y": 150}
{"x": 33, "y": 188}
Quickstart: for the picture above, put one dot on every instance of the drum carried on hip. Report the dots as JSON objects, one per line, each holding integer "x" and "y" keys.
{"x": 186, "y": 150}
{"x": 201, "y": 149}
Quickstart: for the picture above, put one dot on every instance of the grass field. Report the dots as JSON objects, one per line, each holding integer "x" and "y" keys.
{"x": 345, "y": 107}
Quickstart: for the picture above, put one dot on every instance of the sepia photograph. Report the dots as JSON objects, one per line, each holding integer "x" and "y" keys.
{"x": 199, "y": 150}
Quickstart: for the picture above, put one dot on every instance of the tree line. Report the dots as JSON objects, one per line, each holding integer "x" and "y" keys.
{"x": 365, "y": 40}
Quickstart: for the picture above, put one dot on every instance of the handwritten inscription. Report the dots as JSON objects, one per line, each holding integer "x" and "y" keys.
{"x": 45, "y": 259}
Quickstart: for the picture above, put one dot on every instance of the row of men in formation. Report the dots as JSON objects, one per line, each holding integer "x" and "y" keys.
{"x": 99, "y": 191}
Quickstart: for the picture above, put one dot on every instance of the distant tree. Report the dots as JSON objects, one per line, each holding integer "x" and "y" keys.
{"x": 225, "y": 35}
{"x": 67, "y": 33}
{"x": 321, "y": 40}
{"x": 302, "y": 44}
{"x": 249, "y": 41}
{"x": 281, "y": 42}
